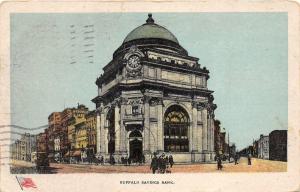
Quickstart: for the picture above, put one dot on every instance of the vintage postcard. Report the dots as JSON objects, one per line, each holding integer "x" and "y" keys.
{"x": 150, "y": 96}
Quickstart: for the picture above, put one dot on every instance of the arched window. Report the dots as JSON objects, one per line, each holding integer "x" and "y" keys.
{"x": 176, "y": 124}
{"x": 135, "y": 133}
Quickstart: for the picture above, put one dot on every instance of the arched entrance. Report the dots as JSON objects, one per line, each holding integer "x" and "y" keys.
{"x": 176, "y": 125}
{"x": 135, "y": 146}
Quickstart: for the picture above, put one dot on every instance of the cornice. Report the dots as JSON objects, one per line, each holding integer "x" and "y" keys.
{"x": 172, "y": 54}
{"x": 177, "y": 67}
{"x": 152, "y": 85}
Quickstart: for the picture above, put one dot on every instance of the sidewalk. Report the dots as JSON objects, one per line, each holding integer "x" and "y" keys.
{"x": 21, "y": 163}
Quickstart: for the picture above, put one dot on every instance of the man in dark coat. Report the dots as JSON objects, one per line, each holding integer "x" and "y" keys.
{"x": 171, "y": 161}
{"x": 129, "y": 161}
{"x": 163, "y": 163}
{"x": 219, "y": 162}
{"x": 112, "y": 160}
{"x": 249, "y": 159}
{"x": 236, "y": 157}
{"x": 154, "y": 164}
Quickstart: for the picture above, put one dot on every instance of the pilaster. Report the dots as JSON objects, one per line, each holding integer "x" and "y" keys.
{"x": 117, "y": 128}
{"x": 160, "y": 131}
{"x": 98, "y": 131}
{"x": 123, "y": 142}
{"x": 204, "y": 132}
{"x": 194, "y": 140}
{"x": 146, "y": 139}
{"x": 103, "y": 134}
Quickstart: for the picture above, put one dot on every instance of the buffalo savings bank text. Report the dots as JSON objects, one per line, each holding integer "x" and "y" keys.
{"x": 145, "y": 182}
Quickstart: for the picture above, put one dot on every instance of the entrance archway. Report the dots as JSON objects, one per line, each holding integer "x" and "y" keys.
{"x": 176, "y": 125}
{"x": 136, "y": 146}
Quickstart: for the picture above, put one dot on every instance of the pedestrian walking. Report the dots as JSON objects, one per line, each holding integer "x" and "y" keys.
{"x": 171, "y": 161}
{"x": 112, "y": 160}
{"x": 163, "y": 163}
{"x": 249, "y": 159}
{"x": 219, "y": 163}
{"x": 154, "y": 163}
{"x": 143, "y": 159}
{"x": 129, "y": 161}
{"x": 101, "y": 160}
{"x": 236, "y": 159}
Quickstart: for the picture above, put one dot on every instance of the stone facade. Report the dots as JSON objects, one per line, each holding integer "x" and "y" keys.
{"x": 153, "y": 97}
{"x": 22, "y": 148}
{"x": 263, "y": 147}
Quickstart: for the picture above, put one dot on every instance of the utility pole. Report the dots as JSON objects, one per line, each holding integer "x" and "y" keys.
{"x": 228, "y": 149}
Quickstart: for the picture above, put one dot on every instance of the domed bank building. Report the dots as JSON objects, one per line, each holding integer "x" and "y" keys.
{"x": 153, "y": 97}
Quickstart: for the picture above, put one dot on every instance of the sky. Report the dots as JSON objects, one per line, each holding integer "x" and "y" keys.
{"x": 56, "y": 58}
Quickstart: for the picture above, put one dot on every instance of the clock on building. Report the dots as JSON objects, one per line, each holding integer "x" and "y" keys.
{"x": 134, "y": 61}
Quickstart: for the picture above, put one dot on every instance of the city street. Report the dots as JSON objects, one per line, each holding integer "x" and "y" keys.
{"x": 258, "y": 165}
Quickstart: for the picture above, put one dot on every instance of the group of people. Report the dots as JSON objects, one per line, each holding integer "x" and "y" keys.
{"x": 236, "y": 160}
{"x": 129, "y": 160}
{"x": 161, "y": 164}
{"x": 124, "y": 160}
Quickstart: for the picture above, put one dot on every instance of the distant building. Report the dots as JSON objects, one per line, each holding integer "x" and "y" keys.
{"x": 217, "y": 141}
{"x": 54, "y": 128}
{"x": 67, "y": 143}
{"x": 223, "y": 145}
{"x": 42, "y": 145}
{"x": 57, "y": 152}
{"x": 278, "y": 145}
{"x": 232, "y": 149}
{"x": 263, "y": 147}
{"x": 255, "y": 148}
{"x": 75, "y": 116}
{"x": 81, "y": 141}
{"x": 14, "y": 149}
{"x": 91, "y": 124}
{"x": 23, "y": 147}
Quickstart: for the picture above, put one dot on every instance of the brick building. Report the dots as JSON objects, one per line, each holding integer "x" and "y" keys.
{"x": 278, "y": 145}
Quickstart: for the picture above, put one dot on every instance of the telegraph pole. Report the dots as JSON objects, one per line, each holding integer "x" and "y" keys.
{"x": 228, "y": 149}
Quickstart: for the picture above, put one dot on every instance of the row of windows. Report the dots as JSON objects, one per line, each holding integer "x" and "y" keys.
{"x": 175, "y": 130}
{"x": 176, "y": 145}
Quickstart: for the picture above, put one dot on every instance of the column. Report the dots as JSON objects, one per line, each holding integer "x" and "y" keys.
{"x": 212, "y": 134}
{"x": 117, "y": 128}
{"x": 146, "y": 139}
{"x": 204, "y": 132}
{"x": 103, "y": 133}
{"x": 199, "y": 127}
{"x": 194, "y": 141}
{"x": 98, "y": 130}
{"x": 160, "y": 129}
{"x": 209, "y": 132}
{"x": 123, "y": 138}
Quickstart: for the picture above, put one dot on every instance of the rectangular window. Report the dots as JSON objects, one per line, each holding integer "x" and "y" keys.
{"x": 135, "y": 110}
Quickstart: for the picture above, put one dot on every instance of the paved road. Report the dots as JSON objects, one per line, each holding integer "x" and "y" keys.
{"x": 258, "y": 165}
